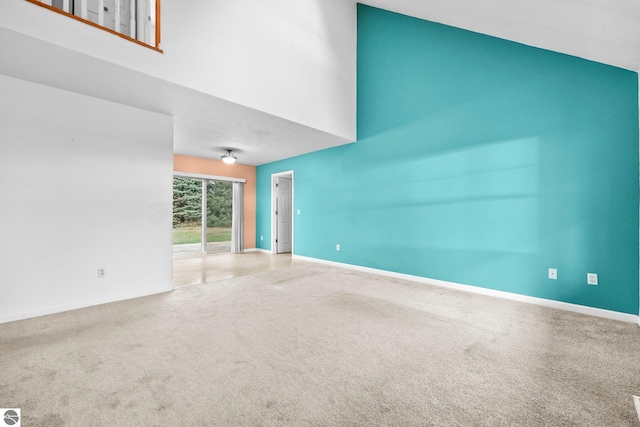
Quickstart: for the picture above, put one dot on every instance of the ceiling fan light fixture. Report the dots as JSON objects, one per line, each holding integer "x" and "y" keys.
{"x": 229, "y": 158}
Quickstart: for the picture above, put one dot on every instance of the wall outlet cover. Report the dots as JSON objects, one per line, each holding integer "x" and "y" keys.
{"x": 592, "y": 279}
{"x": 553, "y": 273}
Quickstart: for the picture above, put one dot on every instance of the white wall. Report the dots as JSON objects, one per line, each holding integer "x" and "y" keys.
{"x": 84, "y": 183}
{"x": 291, "y": 58}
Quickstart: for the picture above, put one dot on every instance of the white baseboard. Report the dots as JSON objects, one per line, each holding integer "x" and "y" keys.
{"x": 81, "y": 304}
{"x": 264, "y": 251}
{"x": 583, "y": 309}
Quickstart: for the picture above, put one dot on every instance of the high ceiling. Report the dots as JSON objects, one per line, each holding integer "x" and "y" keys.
{"x": 606, "y": 31}
{"x": 202, "y": 123}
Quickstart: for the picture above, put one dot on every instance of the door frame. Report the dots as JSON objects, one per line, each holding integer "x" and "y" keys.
{"x": 203, "y": 209}
{"x": 274, "y": 224}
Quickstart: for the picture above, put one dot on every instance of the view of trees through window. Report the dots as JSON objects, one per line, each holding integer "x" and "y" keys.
{"x": 187, "y": 213}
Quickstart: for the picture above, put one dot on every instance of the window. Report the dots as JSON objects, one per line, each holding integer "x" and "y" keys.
{"x": 135, "y": 20}
{"x": 202, "y": 216}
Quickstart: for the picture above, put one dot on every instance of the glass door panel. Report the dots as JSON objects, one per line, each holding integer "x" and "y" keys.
{"x": 219, "y": 214}
{"x": 187, "y": 216}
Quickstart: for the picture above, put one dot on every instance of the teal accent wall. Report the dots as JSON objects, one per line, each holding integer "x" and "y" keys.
{"x": 479, "y": 161}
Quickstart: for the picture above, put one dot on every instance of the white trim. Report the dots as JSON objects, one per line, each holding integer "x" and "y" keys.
{"x": 152, "y": 23}
{"x": 132, "y": 19}
{"x": 264, "y": 251}
{"x": 116, "y": 23}
{"x": 582, "y": 309}
{"x": 84, "y": 304}
{"x": 208, "y": 177}
{"x": 203, "y": 216}
{"x": 141, "y": 21}
{"x": 101, "y": 13}
{"x": 289, "y": 173}
{"x": 636, "y": 400}
{"x": 273, "y": 247}
{"x": 83, "y": 9}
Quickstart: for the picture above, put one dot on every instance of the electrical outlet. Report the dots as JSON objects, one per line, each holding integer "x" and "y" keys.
{"x": 592, "y": 279}
{"x": 261, "y": 238}
{"x": 338, "y": 247}
{"x": 553, "y": 273}
{"x": 102, "y": 273}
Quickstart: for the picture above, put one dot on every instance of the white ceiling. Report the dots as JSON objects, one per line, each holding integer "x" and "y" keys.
{"x": 202, "y": 123}
{"x": 606, "y": 31}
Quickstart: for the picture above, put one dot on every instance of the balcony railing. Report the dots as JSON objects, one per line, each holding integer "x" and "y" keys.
{"x": 135, "y": 20}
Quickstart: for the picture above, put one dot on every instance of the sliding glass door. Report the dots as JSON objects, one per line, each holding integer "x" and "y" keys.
{"x": 219, "y": 214}
{"x": 187, "y": 216}
{"x": 202, "y": 216}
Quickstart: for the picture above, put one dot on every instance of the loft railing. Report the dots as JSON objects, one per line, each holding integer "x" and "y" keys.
{"x": 135, "y": 20}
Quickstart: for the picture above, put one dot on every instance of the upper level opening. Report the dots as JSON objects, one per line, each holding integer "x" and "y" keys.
{"x": 135, "y": 20}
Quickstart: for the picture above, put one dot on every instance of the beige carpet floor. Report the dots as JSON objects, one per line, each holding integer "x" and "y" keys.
{"x": 312, "y": 345}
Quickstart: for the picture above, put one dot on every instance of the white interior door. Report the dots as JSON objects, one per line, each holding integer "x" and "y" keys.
{"x": 110, "y": 11}
{"x": 284, "y": 212}
{"x": 64, "y": 5}
{"x": 113, "y": 14}
{"x": 126, "y": 18}
{"x": 146, "y": 22}
{"x": 93, "y": 10}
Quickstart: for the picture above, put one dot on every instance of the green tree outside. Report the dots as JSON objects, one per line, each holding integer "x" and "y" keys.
{"x": 187, "y": 206}
{"x": 187, "y": 194}
{"x": 219, "y": 204}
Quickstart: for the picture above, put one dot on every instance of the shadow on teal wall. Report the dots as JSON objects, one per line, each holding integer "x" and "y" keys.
{"x": 478, "y": 161}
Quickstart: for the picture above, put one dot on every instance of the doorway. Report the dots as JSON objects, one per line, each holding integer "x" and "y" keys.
{"x": 282, "y": 218}
{"x": 202, "y": 216}
{"x": 116, "y": 15}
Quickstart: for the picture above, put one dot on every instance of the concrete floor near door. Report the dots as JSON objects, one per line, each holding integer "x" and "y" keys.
{"x": 206, "y": 268}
